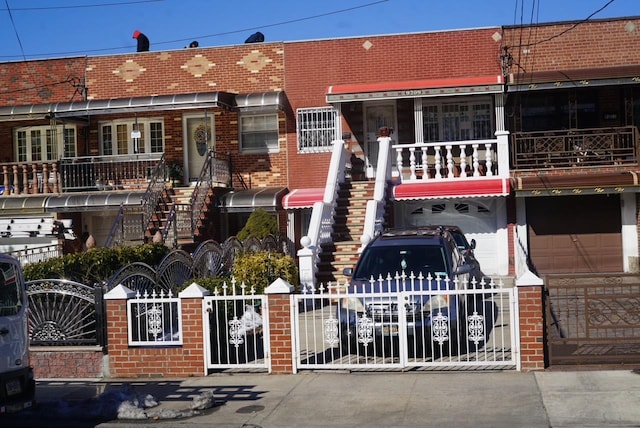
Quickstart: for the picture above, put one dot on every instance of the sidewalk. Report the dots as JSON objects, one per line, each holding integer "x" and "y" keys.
{"x": 381, "y": 399}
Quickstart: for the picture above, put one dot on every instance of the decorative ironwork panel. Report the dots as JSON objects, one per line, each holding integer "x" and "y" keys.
{"x": 61, "y": 312}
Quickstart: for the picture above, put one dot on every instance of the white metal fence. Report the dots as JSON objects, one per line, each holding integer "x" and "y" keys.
{"x": 401, "y": 322}
{"x": 236, "y": 335}
{"x": 154, "y": 319}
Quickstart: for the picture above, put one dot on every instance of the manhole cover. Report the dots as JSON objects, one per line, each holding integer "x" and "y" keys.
{"x": 250, "y": 409}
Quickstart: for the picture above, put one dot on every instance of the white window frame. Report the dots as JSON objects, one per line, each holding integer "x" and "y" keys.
{"x": 316, "y": 129}
{"x": 244, "y": 133}
{"x": 466, "y": 122}
{"x": 44, "y": 143}
{"x": 128, "y": 144}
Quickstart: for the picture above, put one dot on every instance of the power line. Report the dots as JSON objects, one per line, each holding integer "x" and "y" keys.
{"x": 243, "y": 30}
{"x": 79, "y": 6}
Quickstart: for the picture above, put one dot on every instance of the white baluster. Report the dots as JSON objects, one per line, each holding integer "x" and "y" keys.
{"x": 412, "y": 162}
{"x": 399, "y": 161}
{"x": 438, "y": 162}
{"x": 476, "y": 161}
{"x": 425, "y": 163}
{"x": 489, "y": 157}
{"x": 449, "y": 162}
{"x": 463, "y": 160}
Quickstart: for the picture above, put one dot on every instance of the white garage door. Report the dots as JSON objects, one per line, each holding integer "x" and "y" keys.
{"x": 477, "y": 219}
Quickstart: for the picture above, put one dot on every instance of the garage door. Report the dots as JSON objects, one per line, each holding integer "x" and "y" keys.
{"x": 477, "y": 219}
{"x": 577, "y": 234}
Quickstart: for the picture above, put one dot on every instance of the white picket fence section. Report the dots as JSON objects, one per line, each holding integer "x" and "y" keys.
{"x": 388, "y": 330}
{"x": 154, "y": 319}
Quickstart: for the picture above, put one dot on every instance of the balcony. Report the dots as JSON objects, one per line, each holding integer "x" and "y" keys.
{"x": 79, "y": 174}
{"x": 575, "y": 148}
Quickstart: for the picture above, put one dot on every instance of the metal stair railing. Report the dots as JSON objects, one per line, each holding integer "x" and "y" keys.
{"x": 152, "y": 194}
{"x": 213, "y": 170}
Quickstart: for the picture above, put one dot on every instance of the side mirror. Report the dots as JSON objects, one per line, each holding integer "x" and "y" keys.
{"x": 347, "y": 271}
{"x": 462, "y": 269}
{"x": 472, "y": 244}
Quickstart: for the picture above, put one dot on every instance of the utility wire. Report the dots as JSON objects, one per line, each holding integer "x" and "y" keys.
{"x": 21, "y": 9}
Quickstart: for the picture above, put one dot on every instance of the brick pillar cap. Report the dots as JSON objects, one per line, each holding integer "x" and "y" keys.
{"x": 194, "y": 291}
{"x": 279, "y": 286}
{"x": 120, "y": 292}
{"x": 529, "y": 279}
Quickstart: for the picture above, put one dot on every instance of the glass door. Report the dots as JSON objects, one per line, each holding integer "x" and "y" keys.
{"x": 376, "y": 116}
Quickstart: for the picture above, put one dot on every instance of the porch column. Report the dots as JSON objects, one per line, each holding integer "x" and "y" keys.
{"x": 280, "y": 327}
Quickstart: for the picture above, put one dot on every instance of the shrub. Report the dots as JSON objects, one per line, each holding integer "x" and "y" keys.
{"x": 260, "y": 225}
{"x": 96, "y": 265}
{"x": 261, "y": 268}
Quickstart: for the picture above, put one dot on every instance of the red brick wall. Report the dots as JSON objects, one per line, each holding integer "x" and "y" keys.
{"x": 280, "y": 332}
{"x": 531, "y": 309}
{"x": 567, "y": 46}
{"x": 313, "y": 66}
{"x": 178, "y": 361}
{"x": 69, "y": 363}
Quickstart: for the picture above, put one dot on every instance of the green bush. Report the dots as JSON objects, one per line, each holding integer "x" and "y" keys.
{"x": 96, "y": 265}
{"x": 260, "y": 225}
{"x": 261, "y": 268}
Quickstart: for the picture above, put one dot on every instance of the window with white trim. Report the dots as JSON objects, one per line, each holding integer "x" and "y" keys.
{"x": 259, "y": 132}
{"x": 44, "y": 143}
{"x": 316, "y": 128}
{"x": 457, "y": 121}
{"x": 118, "y": 137}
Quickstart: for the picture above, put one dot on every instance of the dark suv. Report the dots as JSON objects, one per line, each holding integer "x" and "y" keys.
{"x": 420, "y": 266}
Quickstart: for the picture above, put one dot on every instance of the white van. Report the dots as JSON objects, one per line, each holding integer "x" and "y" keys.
{"x": 17, "y": 383}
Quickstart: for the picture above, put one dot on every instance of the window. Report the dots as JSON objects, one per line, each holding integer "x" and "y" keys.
{"x": 459, "y": 121}
{"x": 259, "y": 133}
{"x": 316, "y": 128}
{"x": 117, "y": 137}
{"x": 44, "y": 143}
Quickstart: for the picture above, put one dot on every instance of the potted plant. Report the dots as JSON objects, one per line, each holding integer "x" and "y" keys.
{"x": 176, "y": 172}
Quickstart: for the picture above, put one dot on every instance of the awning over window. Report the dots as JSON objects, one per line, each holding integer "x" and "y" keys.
{"x": 117, "y": 105}
{"x": 92, "y": 202}
{"x": 302, "y": 198}
{"x": 267, "y": 198}
{"x": 260, "y": 101}
{"x": 564, "y": 79}
{"x": 456, "y": 188}
{"x": 583, "y": 184}
{"x": 415, "y": 89}
{"x": 23, "y": 204}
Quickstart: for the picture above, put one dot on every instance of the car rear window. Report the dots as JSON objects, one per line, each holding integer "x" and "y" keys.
{"x": 384, "y": 260}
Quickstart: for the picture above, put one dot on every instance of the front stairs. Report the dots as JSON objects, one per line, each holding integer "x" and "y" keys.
{"x": 342, "y": 251}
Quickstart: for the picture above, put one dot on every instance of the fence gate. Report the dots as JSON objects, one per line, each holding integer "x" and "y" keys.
{"x": 427, "y": 327}
{"x": 593, "y": 319}
{"x": 236, "y": 336}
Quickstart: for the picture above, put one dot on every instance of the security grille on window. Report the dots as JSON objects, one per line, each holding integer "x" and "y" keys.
{"x": 316, "y": 128}
{"x": 259, "y": 133}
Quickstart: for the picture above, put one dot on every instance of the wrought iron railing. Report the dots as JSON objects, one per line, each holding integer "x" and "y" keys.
{"x": 214, "y": 170}
{"x": 116, "y": 172}
{"x": 575, "y": 148}
{"x": 153, "y": 193}
{"x": 36, "y": 254}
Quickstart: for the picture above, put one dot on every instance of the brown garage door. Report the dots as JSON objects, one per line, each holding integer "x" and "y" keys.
{"x": 575, "y": 234}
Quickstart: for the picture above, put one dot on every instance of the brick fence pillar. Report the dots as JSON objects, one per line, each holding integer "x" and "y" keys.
{"x": 531, "y": 328}
{"x": 280, "y": 326}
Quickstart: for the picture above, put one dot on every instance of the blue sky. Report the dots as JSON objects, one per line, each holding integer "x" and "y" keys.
{"x": 58, "y": 28}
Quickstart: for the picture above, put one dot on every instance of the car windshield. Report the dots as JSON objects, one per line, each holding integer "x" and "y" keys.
{"x": 10, "y": 291}
{"x": 384, "y": 260}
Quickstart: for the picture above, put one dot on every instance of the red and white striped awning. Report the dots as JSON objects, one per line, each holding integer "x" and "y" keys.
{"x": 456, "y": 188}
{"x": 302, "y": 198}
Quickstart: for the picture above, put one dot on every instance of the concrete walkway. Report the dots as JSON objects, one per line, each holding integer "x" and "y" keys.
{"x": 511, "y": 399}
